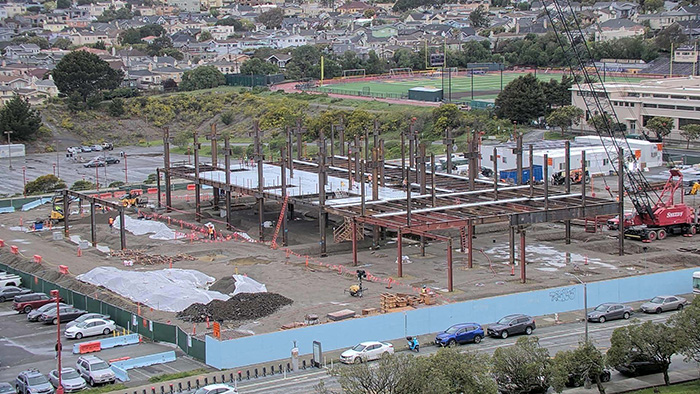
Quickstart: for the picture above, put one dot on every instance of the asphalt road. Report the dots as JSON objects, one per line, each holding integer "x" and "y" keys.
{"x": 554, "y": 338}
{"x": 25, "y": 345}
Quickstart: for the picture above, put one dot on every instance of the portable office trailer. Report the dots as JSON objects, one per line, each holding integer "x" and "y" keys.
{"x": 648, "y": 154}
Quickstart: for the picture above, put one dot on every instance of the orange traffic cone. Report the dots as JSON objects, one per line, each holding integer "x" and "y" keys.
{"x": 80, "y": 252}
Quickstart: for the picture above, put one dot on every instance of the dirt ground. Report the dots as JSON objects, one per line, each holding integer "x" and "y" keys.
{"x": 318, "y": 289}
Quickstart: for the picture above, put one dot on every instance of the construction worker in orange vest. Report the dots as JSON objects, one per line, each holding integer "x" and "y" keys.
{"x": 211, "y": 233}
{"x": 111, "y": 223}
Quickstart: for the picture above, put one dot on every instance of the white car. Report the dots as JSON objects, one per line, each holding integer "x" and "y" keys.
{"x": 97, "y": 148}
{"x": 85, "y": 317}
{"x": 366, "y": 351}
{"x": 217, "y": 389}
{"x": 90, "y": 328}
{"x": 70, "y": 380}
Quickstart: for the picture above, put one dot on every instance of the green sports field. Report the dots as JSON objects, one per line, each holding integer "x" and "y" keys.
{"x": 485, "y": 86}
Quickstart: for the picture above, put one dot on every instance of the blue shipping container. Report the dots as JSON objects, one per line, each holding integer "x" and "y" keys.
{"x": 511, "y": 175}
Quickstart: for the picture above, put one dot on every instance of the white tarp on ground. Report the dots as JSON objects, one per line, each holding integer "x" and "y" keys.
{"x": 170, "y": 290}
{"x": 245, "y": 284}
{"x": 141, "y": 227}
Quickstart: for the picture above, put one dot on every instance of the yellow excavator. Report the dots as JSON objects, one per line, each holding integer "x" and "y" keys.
{"x": 694, "y": 190}
{"x": 57, "y": 213}
{"x": 134, "y": 200}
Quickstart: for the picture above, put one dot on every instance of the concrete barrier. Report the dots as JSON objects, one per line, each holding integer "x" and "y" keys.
{"x": 120, "y": 373}
{"x": 108, "y": 343}
{"x": 145, "y": 361}
{"x": 35, "y": 203}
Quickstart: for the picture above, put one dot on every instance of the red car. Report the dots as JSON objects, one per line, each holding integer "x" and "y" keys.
{"x": 25, "y": 303}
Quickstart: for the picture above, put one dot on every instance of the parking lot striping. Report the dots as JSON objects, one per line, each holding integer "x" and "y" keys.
{"x": 166, "y": 366}
{"x": 288, "y": 380}
{"x": 135, "y": 370}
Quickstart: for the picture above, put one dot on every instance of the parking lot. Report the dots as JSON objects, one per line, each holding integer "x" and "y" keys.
{"x": 25, "y": 345}
{"x": 140, "y": 162}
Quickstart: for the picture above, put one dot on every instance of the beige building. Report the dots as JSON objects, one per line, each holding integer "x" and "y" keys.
{"x": 636, "y": 103}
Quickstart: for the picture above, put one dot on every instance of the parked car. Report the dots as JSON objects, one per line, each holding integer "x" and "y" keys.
{"x": 610, "y": 311}
{"x": 107, "y": 146}
{"x": 512, "y": 324}
{"x": 94, "y": 163}
{"x": 86, "y": 148}
{"x": 36, "y": 313}
{"x": 97, "y": 148}
{"x": 68, "y": 313}
{"x": 9, "y": 292}
{"x": 460, "y": 333}
{"x": 85, "y": 317}
{"x": 73, "y": 149}
{"x": 32, "y": 382}
{"x": 94, "y": 370}
{"x": 25, "y": 303}
{"x": 366, "y": 351}
{"x": 90, "y": 328}
{"x": 577, "y": 381}
{"x": 10, "y": 280}
{"x": 217, "y": 389}
{"x": 664, "y": 303}
{"x": 6, "y": 388}
{"x": 638, "y": 366}
{"x": 70, "y": 380}
{"x": 111, "y": 160}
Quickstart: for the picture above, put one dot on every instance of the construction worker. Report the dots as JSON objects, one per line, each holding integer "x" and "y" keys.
{"x": 211, "y": 233}
{"x": 424, "y": 290}
{"x": 111, "y": 223}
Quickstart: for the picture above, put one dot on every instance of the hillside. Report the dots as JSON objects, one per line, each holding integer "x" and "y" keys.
{"x": 232, "y": 109}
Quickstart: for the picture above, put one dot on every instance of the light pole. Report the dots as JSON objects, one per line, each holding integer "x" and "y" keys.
{"x": 9, "y": 146}
{"x": 54, "y": 293}
{"x": 126, "y": 171}
{"x": 24, "y": 179}
{"x": 585, "y": 304}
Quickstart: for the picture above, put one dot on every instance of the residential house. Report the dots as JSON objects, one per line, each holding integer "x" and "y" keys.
{"x": 143, "y": 79}
{"x": 662, "y": 20}
{"x": 166, "y": 73}
{"x": 294, "y": 40}
{"x": 88, "y": 38}
{"x": 13, "y": 9}
{"x": 354, "y": 7}
{"x": 185, "y": 5}
{"x": 220, "y": 32}
{"x": 280, "y": 60}
{"x": 618, "y": 28}
{"x": 21, "y": 52}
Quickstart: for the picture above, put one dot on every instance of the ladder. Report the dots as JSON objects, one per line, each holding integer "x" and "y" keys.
{"x": 279, "y": 221}
{"x": 344, "y": 231}
{"x": 462, "y": 239}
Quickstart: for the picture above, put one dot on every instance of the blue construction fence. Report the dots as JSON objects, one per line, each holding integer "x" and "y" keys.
{"x": 277, "y": 345}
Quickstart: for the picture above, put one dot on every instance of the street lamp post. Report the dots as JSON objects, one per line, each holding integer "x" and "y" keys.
{"x": 54, "y": 293}
{"x": 126, "y": 171}
{"x": 585, "y": 305}
{"x": 24, "y": 180}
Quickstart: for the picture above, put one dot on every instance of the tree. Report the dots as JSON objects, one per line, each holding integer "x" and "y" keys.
{"x": 203, "y": 77}
{"x": 116, "y": 107}
{"x": 445, "y": 372}
{"x": 687, "y": 330}
{"x": 479, "y": 18}
{"x": 82, "y": 185}
{"x": 523, "y": 367}
{"x": 369, "y": 13}
{"x": 44, "y": 184}
{"x": 565, "y": 117}
{"x": 580, "y": 364}
{"x": 169, "y": 85}
{"x": 605, "y": 124}
{"x": 650, "y": 341}
{"x": 522, "y": 100}
{"x": 303, "y": 60}
{"x": 651, "y": 6}
{"x": 446, "y": 116}
{"x": 256, "y": 66}
{"x": 62, "y": 43}
{"x": 660, "y": 126}
{"x": 690, "y": 132}
{"x": 86, "y": 74}
{"x": 158, "y": 45}
{"x": 63, "y": 4}
{"x": 205, "y": 36}
{"x": 387, "y": 376}
{"x": 272, "y": 19}
{"x": 18, "y": 116}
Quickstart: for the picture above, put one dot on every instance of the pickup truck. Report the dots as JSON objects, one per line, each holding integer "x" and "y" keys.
{"x": 10, "y": 280}
{"x": 25, "y": 303}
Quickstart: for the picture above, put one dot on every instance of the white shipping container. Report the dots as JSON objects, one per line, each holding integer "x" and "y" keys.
{"x": 17, "y": 150}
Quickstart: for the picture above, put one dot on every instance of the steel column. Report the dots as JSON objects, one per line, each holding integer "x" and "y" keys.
{"x": 283, "y": 176}
{"x": 583, "y": 173}
{"x": 66, "y": 214}
{"x": 567, "y": 182}
{"x": 519, "y": 160}
{"x": 197, "y": 187}
{"x": 354, "y": 242}
{"x": 495, "y": 173}
{"x": 122, "y": 228}
{"x": 400, "y": 253}
{"x": 522, "y": 255}
{"x": 511, "y": 246}
{"x": 450, "y": 288}
{"x": 470, "y": 236}
{"x": 545, "y": 177}
{"x": 166, "y": 170}
{"x": 93, "y": 227}
{"x": 158, "y": 186}
{"x": 227, "y": 165}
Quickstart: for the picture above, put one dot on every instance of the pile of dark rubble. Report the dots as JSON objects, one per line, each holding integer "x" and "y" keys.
{"x": 242, "y": 306}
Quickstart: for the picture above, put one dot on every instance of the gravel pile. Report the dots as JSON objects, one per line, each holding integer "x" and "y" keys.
{"x": 243, "y": 306}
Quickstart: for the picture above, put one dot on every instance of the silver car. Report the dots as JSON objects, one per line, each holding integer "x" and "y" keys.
{"x": 609, "y": 311}
{"x": 70, "y": 380}
{"x": 664, "y": 303}
{"x": 86, "y": 316}
{"x": 94, "y": 370}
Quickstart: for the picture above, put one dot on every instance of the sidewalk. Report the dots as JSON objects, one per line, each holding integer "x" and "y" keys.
{"x": 688, "y": 372}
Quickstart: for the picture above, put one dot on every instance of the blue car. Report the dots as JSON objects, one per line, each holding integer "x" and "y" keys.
{"x": 460, "y": 333}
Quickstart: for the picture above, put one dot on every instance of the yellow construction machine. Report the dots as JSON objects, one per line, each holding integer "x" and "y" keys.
{"x": 134, "y": 200}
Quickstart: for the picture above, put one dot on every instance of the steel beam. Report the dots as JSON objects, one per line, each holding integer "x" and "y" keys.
{"x": 93, "y": 227}
{"x": 523, "y": 278}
